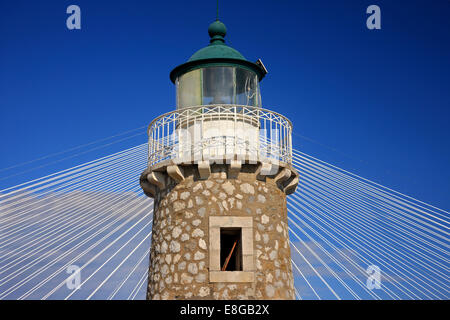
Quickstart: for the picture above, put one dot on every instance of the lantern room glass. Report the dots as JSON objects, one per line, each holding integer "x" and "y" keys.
{"x": 218, "y": 85}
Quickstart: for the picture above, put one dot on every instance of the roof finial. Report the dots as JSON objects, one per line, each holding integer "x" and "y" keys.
{"x": 217, "y": 32}
{"x": 217, "y": 11}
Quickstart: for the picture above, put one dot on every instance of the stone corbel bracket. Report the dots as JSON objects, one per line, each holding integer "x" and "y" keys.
{"x": 147, "y": 187}
{"x": 160, "y": 176}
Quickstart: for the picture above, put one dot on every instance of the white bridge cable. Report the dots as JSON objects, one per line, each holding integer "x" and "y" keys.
{"x": 91, "y": 247}
{"x": 63, "y": 173}
{"x": 381, "y": 203}
{"x": 297, "y": 294}
{"x": 327, "y": 267}
{"x": 73, "y": 224}
{"x": 121, "y": 263}
{"x": 96, "y": 244}
{"x": 138, "y": 264}
{"x": 121, "y": 214}
{"x": 56, "y": 216}
{"x": 306, "y": 280}
{"x": 366, "y": 225}
{"x": 69, "y": 157}
{"x": 115, "y": 173}
{"x": 407, "y": 244}
{"x": 315, "y": 271}
{"x": 121, "y": 187}
{"x": 378, "y": 188}
{"x": 334, "y": 259}
{"x": 62, "y": 196}
{"x": 104, "y": 249}
{"x": 348, "y": 192}
{"x": 83, "y": 173}
{"x": 398, "y": 196}
{"x": 23, "y": 258}
{"x": 74, "y": 148}
{"x": 42, "y": 200}
{"x": 341, "y": 221}
{"x": 308, "y": 213}
{"x": 142, "y": 280}
{"x": 125, "y": 200}
{"x": 338, "y": 228}
{"x": 332, "y": 272}
{"x": 348, "y": 195}
{"x": 106, "y": 203}
{"x": 345, "y": 246}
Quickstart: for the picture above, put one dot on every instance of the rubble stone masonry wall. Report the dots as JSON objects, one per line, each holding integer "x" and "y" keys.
{"x": 179, "y": 258}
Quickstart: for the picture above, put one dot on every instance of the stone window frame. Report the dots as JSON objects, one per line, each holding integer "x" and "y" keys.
{"x": 248, "y": 267}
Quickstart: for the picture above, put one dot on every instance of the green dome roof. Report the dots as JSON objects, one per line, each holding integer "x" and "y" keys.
{"x": 216, "y": 51}
{"x": 215, "y": 54}
{"x": 217, "y": 48}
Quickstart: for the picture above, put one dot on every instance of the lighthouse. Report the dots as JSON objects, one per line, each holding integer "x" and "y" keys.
{"x": 219, "y": 170}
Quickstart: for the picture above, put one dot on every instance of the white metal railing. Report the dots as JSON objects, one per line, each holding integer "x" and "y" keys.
{"x": 220, "y": 132}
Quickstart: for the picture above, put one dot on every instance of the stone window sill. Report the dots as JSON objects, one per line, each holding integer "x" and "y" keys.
{"x": 231, "y": 276}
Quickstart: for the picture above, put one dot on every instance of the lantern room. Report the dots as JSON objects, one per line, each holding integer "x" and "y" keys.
{"x": 218, "y": 75}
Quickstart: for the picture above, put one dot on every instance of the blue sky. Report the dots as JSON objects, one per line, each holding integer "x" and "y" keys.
{"x": 374, "y": 102}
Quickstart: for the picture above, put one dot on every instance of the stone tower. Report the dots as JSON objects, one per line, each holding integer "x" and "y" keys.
{"x": 219, "y": 170}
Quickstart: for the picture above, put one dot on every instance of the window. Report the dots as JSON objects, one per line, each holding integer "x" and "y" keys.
{"x": 218, "y": 85}
{"x": 189, "y": 90}
{"x": 247, "y": 92}
{"x": 230, "y": 249}
{"x": 226, "y": 232}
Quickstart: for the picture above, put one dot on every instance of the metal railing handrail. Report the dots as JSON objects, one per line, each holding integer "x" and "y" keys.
{"x": 210, "y": 106}
{"x": 269, "y": 133}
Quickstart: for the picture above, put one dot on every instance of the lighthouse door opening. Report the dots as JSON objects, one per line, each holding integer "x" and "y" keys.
{"x": 231, "y": 249}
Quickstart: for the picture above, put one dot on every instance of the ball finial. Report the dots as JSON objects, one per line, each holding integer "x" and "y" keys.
{"x": 217, "y": 31}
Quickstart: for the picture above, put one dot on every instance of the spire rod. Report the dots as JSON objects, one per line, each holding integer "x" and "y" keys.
{"x": 217, "y": 11}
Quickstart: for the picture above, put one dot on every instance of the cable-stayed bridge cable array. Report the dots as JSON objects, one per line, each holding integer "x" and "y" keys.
{"x": 346, "y": 223}
{"x": 95, "y": 217}
{"x": 92, "y": 216}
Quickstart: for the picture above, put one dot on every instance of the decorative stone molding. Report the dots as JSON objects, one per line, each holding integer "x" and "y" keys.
{"x": 283, "y": 175}
{"x": 175, "y": 172}
{"x": 159, "y": 176}
{"x": 264, "y": 170}
{"x": 291, "y": 186}
{"x": 204, "y": 169}
{"x": 235, "y": 168}
{"x": 148, "y": 188}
